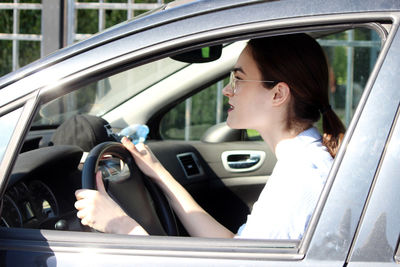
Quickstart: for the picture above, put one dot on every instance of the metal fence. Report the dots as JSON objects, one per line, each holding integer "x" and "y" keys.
{"x": 15, "y": 36}
{"x": 101, "y": 6}
{"x": 58, "y": 24}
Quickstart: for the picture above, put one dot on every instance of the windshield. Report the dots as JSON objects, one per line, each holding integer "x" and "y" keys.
{"x": 100, "y": 97}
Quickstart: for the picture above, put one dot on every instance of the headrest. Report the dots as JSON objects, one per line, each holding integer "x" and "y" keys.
{"x": 85, "y": 131}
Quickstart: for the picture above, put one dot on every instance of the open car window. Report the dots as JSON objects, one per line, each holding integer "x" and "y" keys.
{"x": 351, "y": 55}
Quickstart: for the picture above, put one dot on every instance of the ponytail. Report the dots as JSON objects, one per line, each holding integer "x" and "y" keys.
{"x": 333, "y": 130}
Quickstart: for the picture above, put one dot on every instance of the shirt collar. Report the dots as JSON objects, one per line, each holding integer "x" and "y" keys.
{"x": 303, "y": 139}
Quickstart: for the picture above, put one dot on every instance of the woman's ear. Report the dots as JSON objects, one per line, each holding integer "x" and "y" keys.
{"x": 281, "y": 94}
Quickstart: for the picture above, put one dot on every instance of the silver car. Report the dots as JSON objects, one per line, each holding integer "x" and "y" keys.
{"x": 166, "y": 70}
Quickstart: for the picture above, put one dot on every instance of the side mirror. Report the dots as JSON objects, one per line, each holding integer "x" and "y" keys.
{"x": 201, "y": 55}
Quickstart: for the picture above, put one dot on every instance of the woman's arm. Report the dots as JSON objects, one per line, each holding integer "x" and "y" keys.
{"x": 195, "y": 219}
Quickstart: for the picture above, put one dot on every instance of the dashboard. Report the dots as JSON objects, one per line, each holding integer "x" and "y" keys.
{"x": 40, "y": 193}
{"x": 28, "y": 205}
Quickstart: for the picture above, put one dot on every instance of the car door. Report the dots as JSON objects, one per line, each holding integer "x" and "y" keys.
{"x": 328, "y": 239}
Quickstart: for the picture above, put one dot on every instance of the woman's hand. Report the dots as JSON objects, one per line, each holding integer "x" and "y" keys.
{"x": 145, "y": 159}
{"x": 99, "y": 211}
{"x": 195, "y": 219}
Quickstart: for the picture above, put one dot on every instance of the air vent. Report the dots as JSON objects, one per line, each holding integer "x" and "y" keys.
{"x": 189, "y": 164}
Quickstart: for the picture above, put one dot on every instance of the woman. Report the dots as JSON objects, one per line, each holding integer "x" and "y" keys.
{"x": 279, "y": 87}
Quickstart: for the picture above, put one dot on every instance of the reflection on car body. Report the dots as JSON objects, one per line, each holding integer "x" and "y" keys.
{"x": 127, "y": 75}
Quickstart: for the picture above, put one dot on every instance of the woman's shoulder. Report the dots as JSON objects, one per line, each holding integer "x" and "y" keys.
{"x": 305, "y": 152}
{"x": 307, "y": 143}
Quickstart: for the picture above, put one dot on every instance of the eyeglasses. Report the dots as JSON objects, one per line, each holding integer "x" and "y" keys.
{"x": 233, "y": 82}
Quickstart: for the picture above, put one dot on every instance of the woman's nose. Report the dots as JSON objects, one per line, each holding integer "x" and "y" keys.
{"x": 227, "y": 90}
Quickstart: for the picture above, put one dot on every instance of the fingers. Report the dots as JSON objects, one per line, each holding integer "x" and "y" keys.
{"x": 141, "y": 148}
{"x": 99, "y": 182}
{"x": 85, "y": 207}
{"x": 128, "y": 144}
{"x": 84, "y": 193}
{"x": 131, "y": 146}
{"x": 136, "y": 150}
{"x": 81, "y": 214}
{"x": 80, "y": 204}
{"x": 86, "y": 220}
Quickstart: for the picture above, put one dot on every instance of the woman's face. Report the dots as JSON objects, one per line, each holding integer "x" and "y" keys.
{"x": 250, "y": 107}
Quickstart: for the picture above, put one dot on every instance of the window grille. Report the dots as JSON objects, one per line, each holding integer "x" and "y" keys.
{"x": 66, "y": 15}
{"x": 77, "y": 9}
{"x": 11, "y": 13}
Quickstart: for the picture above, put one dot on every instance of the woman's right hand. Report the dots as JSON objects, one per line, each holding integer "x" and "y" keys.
{"x": 145, "y": 159}
{"x": 98, "y": 210}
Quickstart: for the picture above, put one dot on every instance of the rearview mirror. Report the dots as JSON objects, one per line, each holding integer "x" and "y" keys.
{"x": 201, "y": 55}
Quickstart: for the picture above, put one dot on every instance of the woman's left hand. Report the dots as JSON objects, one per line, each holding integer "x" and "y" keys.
{"x": 99, "y": 211}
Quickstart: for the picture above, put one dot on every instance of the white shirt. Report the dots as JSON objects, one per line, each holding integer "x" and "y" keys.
{"x": 287, "y": 201}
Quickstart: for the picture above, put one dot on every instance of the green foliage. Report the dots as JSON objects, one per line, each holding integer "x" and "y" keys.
{"x": 28, "y": 51}
{"x": 114, "y": 17}
{"x": 5, "y": 57}
{"x": 6, "y": 21}
{"x": 203, "y": 115}
{"x": 31, "y": 1}
{"x": 30, "y": 21}
{"x": 115, "y": 1}
{"x": 138, "y": 12}
{"x": 87, "y": 21}
{"x": 337, "y": 57}
{"x": 146, "y": 1}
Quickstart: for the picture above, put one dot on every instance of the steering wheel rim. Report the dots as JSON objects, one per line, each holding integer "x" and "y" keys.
{"x": 132, "y": 190}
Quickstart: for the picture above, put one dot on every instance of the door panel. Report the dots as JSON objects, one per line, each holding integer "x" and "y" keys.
{"x": 227, "y": 196}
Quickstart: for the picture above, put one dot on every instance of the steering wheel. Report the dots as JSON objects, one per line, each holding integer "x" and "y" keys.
{"x": 138, "y": 196}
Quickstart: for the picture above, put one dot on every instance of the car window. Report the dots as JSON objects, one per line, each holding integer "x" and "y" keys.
{"x": 100, "y": 97}
{"x": 7, "y": 126}
{"x": 351, "y": 55}
{"x": 192, "y": 117}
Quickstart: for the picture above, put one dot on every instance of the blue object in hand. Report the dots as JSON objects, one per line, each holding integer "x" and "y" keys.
{"x": 137, "y": 133}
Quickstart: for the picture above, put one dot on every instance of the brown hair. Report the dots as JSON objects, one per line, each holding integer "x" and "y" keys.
{"x": 299, "y": 61}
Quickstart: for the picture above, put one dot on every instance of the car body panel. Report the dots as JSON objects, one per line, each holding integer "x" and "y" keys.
{"x": 363, "y": 150}
{"x": 380, "y": 224}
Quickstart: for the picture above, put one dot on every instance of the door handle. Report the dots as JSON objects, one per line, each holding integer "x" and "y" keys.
{"x": 242, "y": 160}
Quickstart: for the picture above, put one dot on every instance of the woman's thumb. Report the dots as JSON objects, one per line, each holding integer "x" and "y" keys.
{"x": 99, "y": 182}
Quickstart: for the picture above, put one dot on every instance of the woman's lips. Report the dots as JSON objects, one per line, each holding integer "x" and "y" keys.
{"x": 231, "y": 108}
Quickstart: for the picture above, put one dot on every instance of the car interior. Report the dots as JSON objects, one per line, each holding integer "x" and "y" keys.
{"x": 178, "y": 96}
